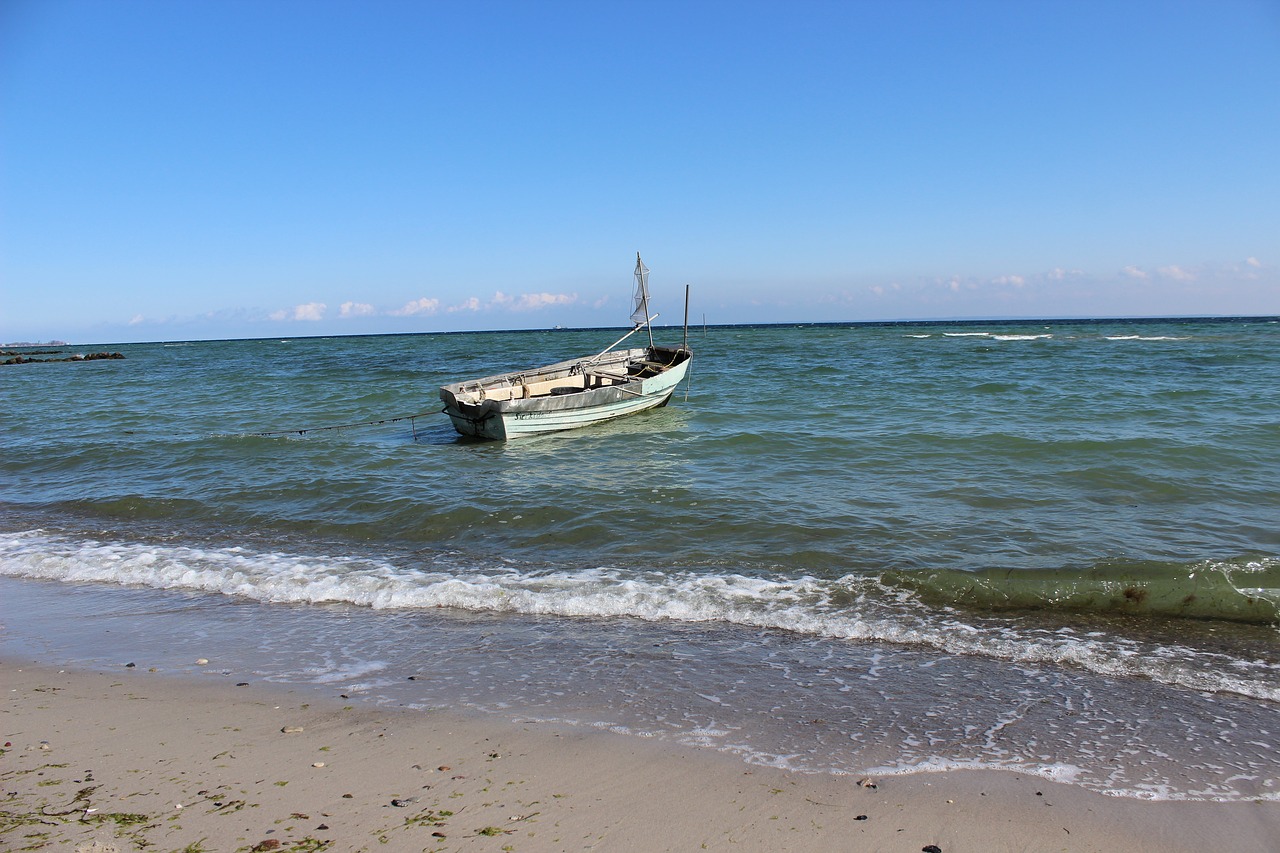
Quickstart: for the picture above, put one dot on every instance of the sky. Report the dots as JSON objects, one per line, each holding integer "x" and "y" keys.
{"x": 230, "y": 169}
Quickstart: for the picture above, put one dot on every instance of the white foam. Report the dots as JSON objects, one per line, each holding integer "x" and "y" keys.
{"x": 1144, "y": 338}
{"x": 800, "y": 604}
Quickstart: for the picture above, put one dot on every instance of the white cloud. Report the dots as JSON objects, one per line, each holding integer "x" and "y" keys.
{"x": 1135, "y": 272}
{"x": 418, "y": 306}
{"x": 1015, "y": 280}
{"x": 136, "y": 319}
{"x": 1177, "y": 273}
{"x": 471, "y": 304}
{"x": 878, "y": 290}
{"x": 310, "y": 311}
{"x": 534, "y": 301}
{"x": 356, "y": 309}
{"x": 524, "y": 302}
{"x": 1254, "y": 262}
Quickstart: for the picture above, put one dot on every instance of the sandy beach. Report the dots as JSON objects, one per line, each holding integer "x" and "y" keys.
{"x": 132, "y": 760}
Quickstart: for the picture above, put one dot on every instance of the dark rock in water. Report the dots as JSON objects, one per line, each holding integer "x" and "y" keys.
{"x": 93, "y": 356}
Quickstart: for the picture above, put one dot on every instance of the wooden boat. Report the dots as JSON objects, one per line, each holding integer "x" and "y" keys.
{"x": 573, "y": 393}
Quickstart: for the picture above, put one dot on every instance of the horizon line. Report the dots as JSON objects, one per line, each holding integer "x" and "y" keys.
{"x": 973, "y": 321}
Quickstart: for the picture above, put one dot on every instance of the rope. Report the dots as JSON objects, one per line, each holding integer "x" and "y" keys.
{"x": 334, "y": 426}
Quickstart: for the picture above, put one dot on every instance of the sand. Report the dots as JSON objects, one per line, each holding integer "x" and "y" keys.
{"x": 132, "y": 760}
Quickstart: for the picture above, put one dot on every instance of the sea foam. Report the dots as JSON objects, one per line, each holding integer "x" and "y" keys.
{"x": 853, "y": 607}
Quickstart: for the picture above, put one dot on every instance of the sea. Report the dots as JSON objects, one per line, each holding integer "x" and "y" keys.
{"x": 1047, "y": 547}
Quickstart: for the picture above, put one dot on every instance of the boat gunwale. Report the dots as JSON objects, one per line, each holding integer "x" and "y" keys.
{"x": 579, "y": 400}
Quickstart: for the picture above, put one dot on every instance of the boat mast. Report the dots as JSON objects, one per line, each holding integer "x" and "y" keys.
{"x": 686, "y": 316}
{"x": 640, "y": 315}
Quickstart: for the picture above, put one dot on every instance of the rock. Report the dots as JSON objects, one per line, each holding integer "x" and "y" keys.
{"x": 861, "y": 817}
{"x": 322, "y": 827}
{"x": 202, "y": 661}
{"x": 97, "y": 846}
{"x": 318, "y": 764}
{"x": 866, "y": 783}
{"x": 242, "y": 684}
{"x": 130, "y": 665}
{"x": 291, "y": 730}
{"x": 931, "y": 848}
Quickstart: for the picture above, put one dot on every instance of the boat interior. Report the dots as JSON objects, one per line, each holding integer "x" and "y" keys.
{"x": 614, "y": 368}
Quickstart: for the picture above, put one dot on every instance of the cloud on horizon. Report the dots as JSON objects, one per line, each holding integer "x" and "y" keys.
{"x": 308, "y": 312}
{"x": 356, "y": 309}
{"x": 424, "y": 305}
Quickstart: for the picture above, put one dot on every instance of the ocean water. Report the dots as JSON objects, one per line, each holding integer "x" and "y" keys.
{"x": 1049, "y": 547}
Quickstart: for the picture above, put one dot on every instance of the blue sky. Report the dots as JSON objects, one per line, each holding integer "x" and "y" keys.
{"x": 179, "y": 170}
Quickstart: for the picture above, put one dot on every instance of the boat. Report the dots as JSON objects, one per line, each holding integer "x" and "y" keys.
{"x": 577, "y": 392}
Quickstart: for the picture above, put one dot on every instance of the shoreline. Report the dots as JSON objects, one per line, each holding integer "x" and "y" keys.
{"x": 112, "y": 759}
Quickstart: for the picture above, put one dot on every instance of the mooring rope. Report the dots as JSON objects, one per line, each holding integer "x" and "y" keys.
{"x": 275, "y": 432}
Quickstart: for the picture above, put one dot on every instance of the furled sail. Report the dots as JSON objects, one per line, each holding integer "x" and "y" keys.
{"x": 640, "y": 312}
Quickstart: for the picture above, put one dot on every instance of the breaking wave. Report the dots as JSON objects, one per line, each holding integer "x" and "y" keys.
{"x": 1237, "y": 591}
{"x": 913, "y": 609}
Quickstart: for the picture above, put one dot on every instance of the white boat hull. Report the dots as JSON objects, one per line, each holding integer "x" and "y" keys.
{"x": 515, "y": 405}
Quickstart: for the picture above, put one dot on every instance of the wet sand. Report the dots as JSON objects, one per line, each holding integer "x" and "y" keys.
{"x": 130, "y": 760}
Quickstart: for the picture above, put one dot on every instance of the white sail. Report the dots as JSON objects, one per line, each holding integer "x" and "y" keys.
{"x": 640, "y": 312}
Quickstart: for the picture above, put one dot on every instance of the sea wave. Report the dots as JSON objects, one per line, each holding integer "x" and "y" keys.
{"x": 1239, "y": 591}
{"x": 1145, "y": 338}
{"x": 896, "y": 608}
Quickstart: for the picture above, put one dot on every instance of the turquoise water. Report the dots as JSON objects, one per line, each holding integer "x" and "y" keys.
{"x": 1051, "y": 508}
